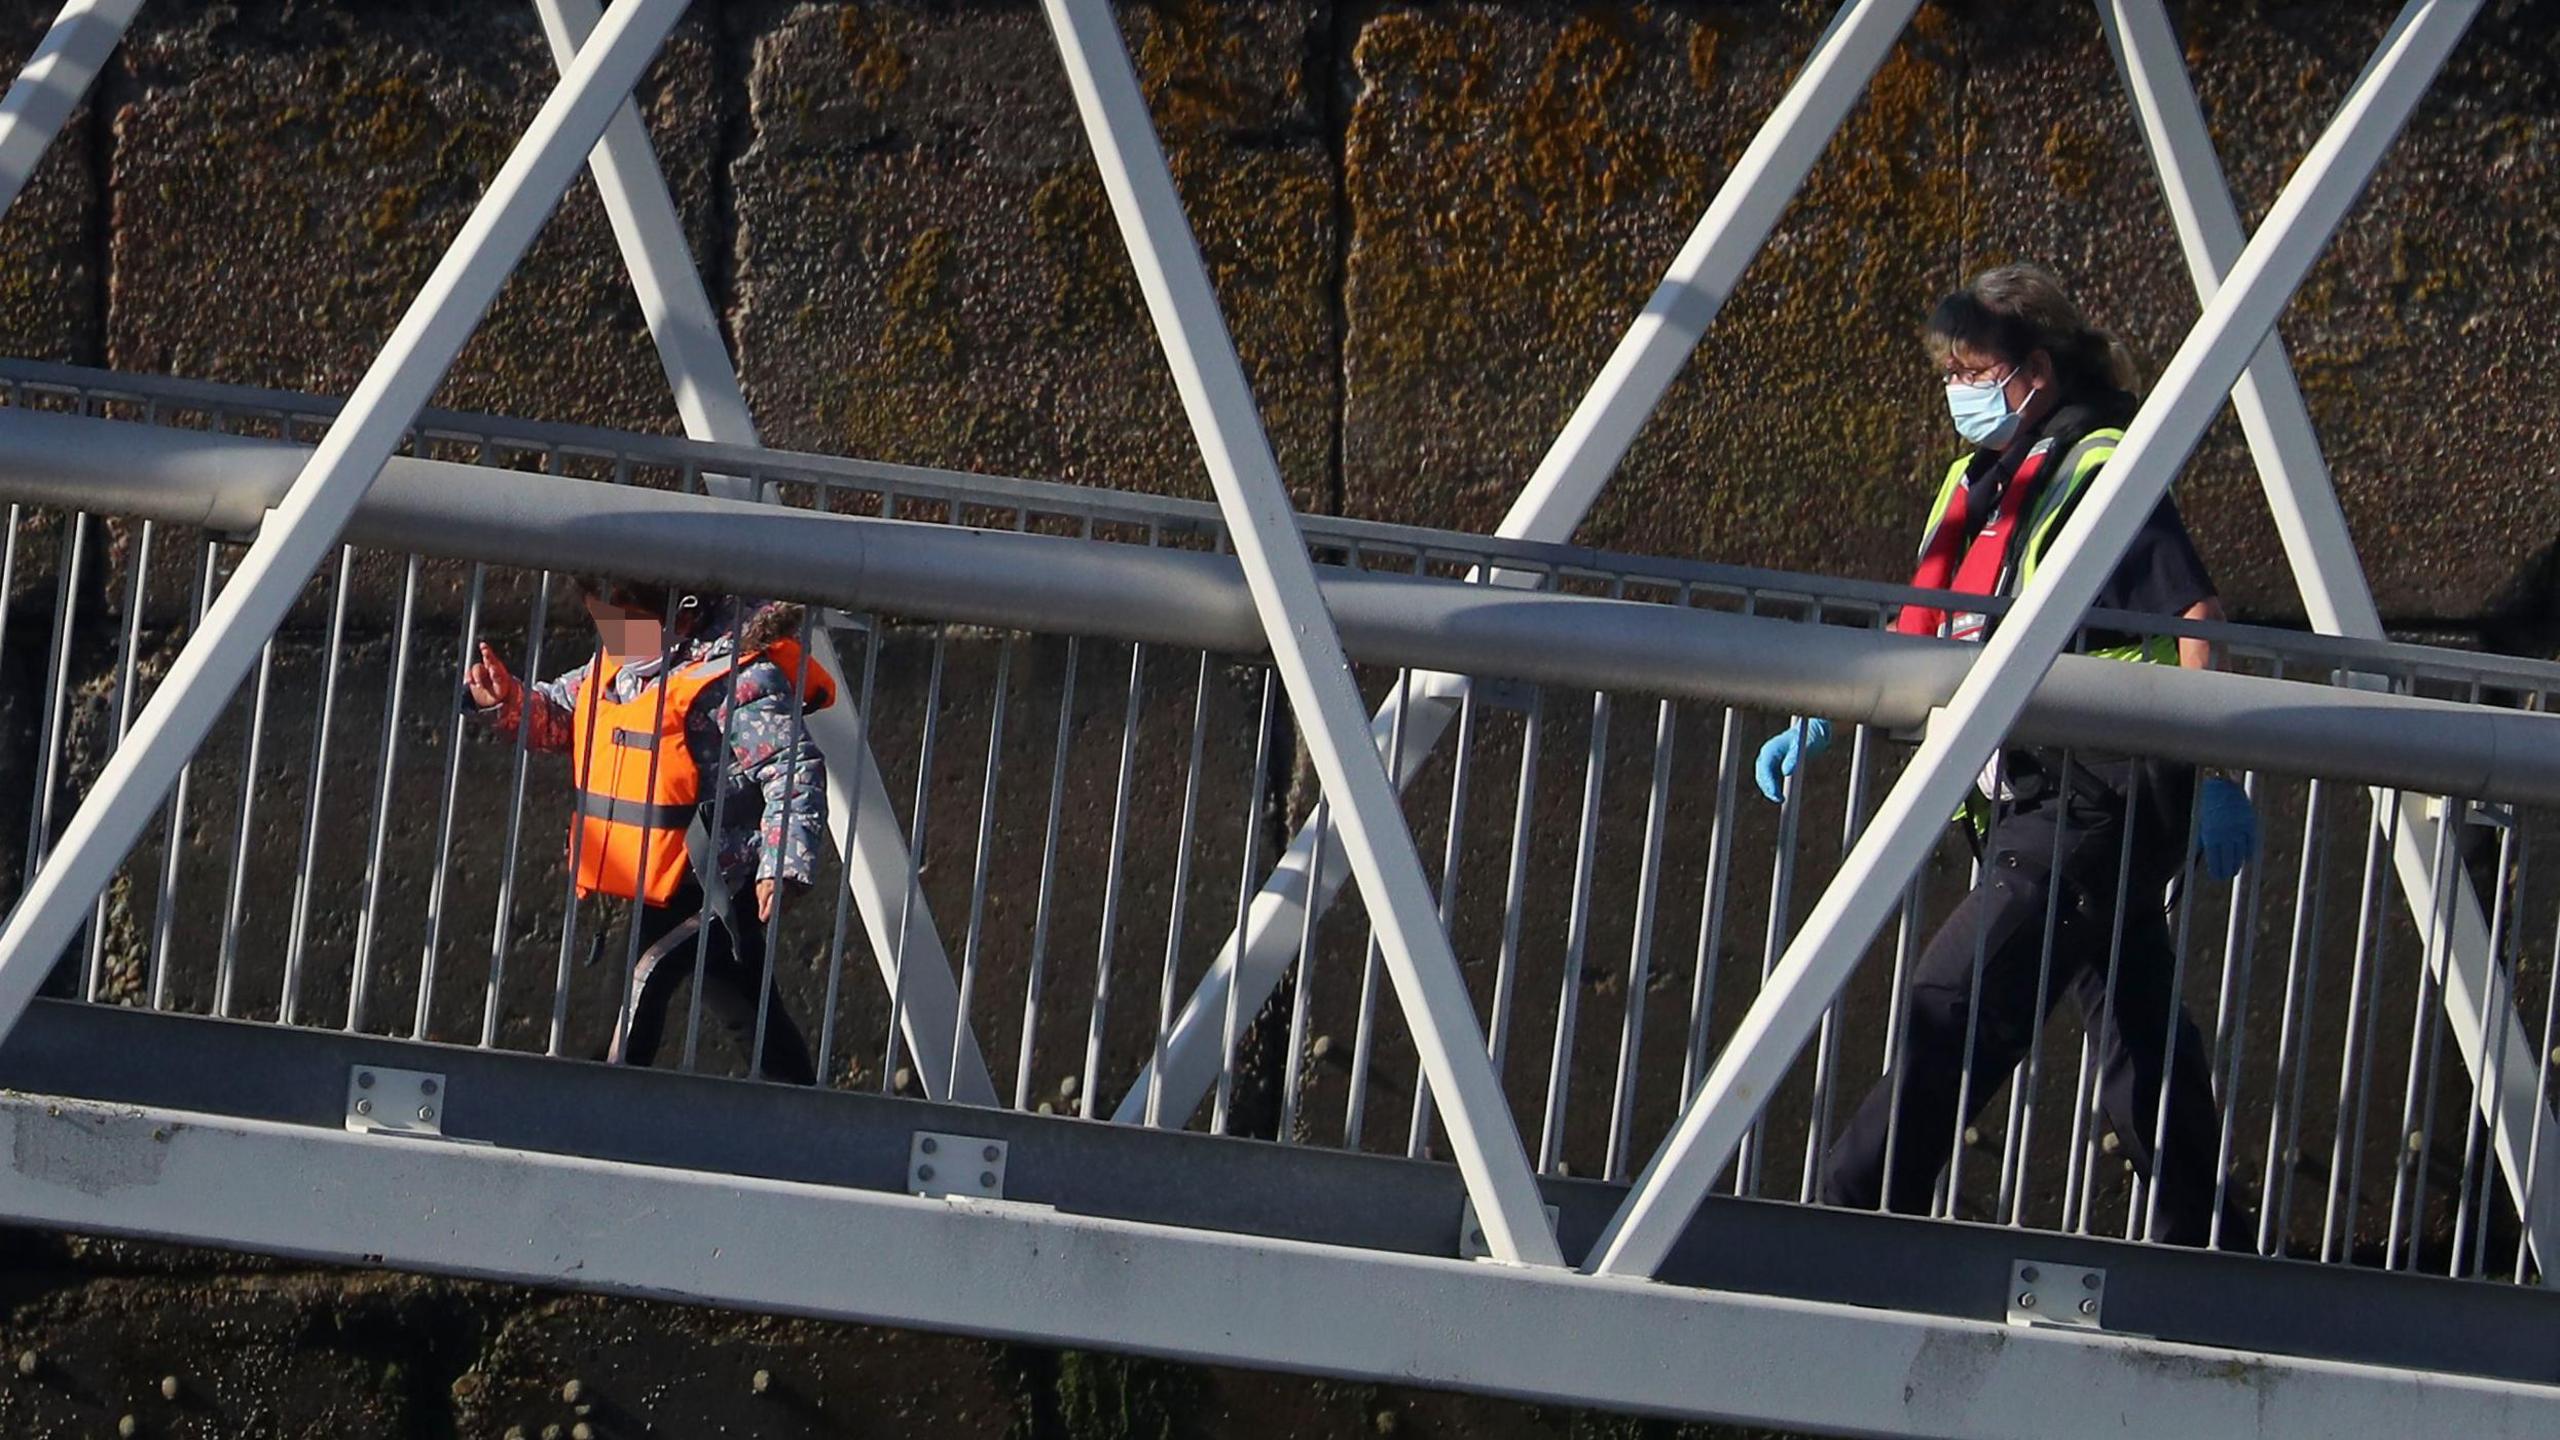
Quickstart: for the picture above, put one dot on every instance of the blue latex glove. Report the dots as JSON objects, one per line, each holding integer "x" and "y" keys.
{"x": 2226, "y": 828}
{"x": 1788, "y": 749}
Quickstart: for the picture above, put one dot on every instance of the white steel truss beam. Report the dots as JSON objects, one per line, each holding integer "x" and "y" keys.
{"x": 1019, "y": 1272}
{"x": 1306, "y": 648}
{"x": 50, "y": 86}
{"x": 713, "y": 405}
{"x": 1871, "y": 879}
{"x": 2335, "y": 592}
{"x": 303, "y": 527}
{"x": 1561, "y": 491}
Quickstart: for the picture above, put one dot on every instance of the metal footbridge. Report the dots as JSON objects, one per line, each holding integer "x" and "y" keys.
{"x": 1499, "y": 1047}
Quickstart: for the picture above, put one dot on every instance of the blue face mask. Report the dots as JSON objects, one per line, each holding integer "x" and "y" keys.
{"x": 1982, "y": 412}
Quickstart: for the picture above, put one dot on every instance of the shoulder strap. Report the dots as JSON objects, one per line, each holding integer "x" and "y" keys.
{"x": 2084, "y": 461}
{"x": 1946, "y": 492}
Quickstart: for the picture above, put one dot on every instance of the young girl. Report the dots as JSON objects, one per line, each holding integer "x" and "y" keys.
{"x": 689, "y": 710}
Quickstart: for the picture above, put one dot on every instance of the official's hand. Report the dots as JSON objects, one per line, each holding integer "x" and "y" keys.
{"x": 488, "y": 680}
{"x": 1787, "y": 750}
{"x": 2226, "y": 828}
{"x": 764, "y": 899}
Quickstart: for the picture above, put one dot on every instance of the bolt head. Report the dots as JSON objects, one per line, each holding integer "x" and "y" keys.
{"x": 924, "y": 1172}
{"x": 364, "y": 1079}
{"x": 2026, "y": 1299}
{"x": 929, "y": 1145}
{"x": 427, "y": 1086}
{"x": 427, "y": 1113}
{"x": 2088, "y": 1307}
{"x": 2028, "y": 1273}
{"x": 991, "y": 1154}
{"x": 364, "y": 1107}
{"x": 2089, "y": 1281}
{"x": 986, "y": 1179}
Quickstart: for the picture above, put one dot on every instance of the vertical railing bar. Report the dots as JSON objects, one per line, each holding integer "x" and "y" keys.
{"x": 689, "y": 1055}
{"x": 768, "y": 985}
{"x": 2381, "y": 838}
{"x": 915, "y": 847}
{"x": 2085, "y": 1095}
{"x": 583, "y": 743}
{"x": 130, "y": 645}
{"x": 2175, "y": 1025}
{"x": 1515, "y": 884}
{"x": 978, "y": 870}
{"x": 538, "y": 623}
{"x": 9, "y": 556}
{"x": 1577, "y": 940}
{"x": 2302, "y": 958}
{"x": 2022, "y": 1085}
{"x": 1247, "y": 886}
{"x": 1041, "y": 907}
{"x": 1453, "y": 849}
{"x": 226, "y": 968}
{"x": 164, "y": 915}
{"x": 2418, "y": 1127}
{"x": 1115, "y": 872}
{"x": 2230, "y": 1023}
{"x": 1711, "y": 907}
{"x": 371, "y": 915}
{"x": 2487, "y": 1090}
{"x": 1622, "y": 1104}
{"x": 298, "y": 933}
{"x": 1187, "y": 829}
{"x": 66, "y": 603}
{"x": 1364, "y": 1027}
{"x": 1826, "y": 1054}
{"x": 448, "y": 801}
{"x": 1897, "y": 1030}
{"x": 1293, "y": 1070}
{"x": 1951, "y": 1178}
{"x": 870, "y": 627}
{"x": 2546, "y": 1059}
{"x": 1746, "y": 1165}
{"x": 625, "y": 1009}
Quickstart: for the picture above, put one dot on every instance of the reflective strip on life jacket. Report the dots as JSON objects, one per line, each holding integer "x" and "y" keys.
{"x": 633, "y": 812}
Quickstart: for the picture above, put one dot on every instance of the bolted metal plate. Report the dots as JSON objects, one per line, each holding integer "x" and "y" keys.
{"x": 395, "y": 1102}
{"x": 1471, "y": 1244}
{"x": 968, "y": 1167}
{"x": 2042, "y": 1293}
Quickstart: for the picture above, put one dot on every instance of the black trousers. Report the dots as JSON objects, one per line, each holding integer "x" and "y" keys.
{"x": 2003, "y": 921}
{"x": 733, "y": 985}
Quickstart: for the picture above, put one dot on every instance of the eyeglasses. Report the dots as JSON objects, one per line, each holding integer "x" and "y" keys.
{"x": 1981, "y": 375}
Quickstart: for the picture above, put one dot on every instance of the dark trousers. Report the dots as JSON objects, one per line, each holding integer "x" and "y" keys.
{"x": 2003, "y": 921}
{"x": 733, "y": 983}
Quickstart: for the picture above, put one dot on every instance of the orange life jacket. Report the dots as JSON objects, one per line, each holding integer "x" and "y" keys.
{"x": 637, "y": 785}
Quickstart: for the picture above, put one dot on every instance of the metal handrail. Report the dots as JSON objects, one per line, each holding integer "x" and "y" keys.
{"x": 165, "y": 399}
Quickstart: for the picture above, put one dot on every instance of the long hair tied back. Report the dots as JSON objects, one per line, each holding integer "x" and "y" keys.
{"x": 2013, "y": 311}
